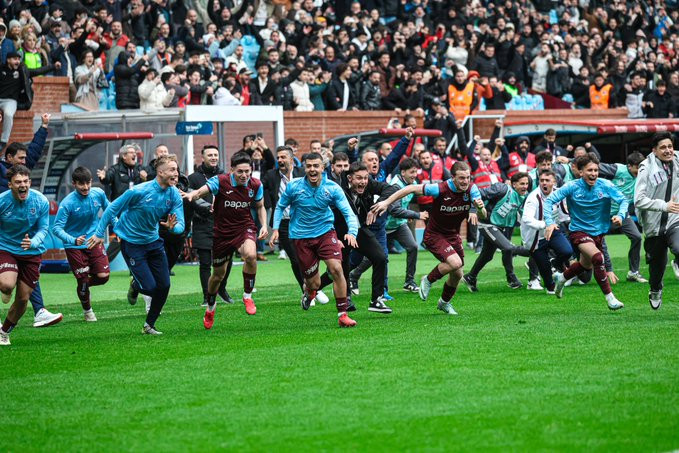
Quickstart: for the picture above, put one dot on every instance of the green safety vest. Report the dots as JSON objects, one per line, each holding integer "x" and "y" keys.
{"x": 506, "y": 211}
{"x": 392, "y": 222}
{"x": 32, "y": 60}
{"x": 624, "y": 181}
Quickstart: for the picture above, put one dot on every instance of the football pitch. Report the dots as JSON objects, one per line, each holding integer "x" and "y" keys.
{"x": 516, "y": 370}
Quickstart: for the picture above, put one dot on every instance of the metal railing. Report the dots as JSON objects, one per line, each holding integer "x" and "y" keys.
{"x": 469, "y": 120}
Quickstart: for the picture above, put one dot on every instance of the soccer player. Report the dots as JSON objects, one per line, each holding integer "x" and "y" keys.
{"x": 533, "y": 231}
{"x": 24, "y": 222}
{"x": 505, "y": 203}
{"x": 76, "y": 221}
{"x": 453, "y": 200}
{"x": 589, "y": 202}
{"x": 397, "y": 228}
{"x": 312, "y": 232}
{"x": 139, "y": 211}
{"x": 235, "y": 193}
{"x": 656, "y": 198}
{"x": 624, "y": 177}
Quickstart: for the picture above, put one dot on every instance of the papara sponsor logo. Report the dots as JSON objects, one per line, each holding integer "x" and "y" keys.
{"x": 8, "y": 266}
{"x": 236, "y": 204}
{"x": 458, "y": 208}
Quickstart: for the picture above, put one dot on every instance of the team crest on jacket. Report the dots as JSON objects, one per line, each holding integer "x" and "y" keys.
{"x": 168, "y": 203}
{"x": 466, "y": 197}
{"x": 251, "y": 193}
{"x": 32, "y": 211}
{"x": 600, "y": 194}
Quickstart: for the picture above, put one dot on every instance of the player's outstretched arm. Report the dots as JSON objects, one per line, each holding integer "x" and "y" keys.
{"x": 195, "y": 194}
{"x": 381, "y": 207}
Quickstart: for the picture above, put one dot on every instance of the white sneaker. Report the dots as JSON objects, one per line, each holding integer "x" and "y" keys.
{"x": 282, "y": 255}
{"x": 6, "y": 298}
{"x": 4, "y": 339}
{"x": 570, "y": 282}
{"x": 636, "y": 277}
{"x": 321, "y": 297}
{"x": 312, "y": 303}
{"x": 613, "y": 303}
{"x": 425, "y": 287}
{"x": 675, "y": 268}
{"x": 550, "y": 293}
{"x": 147, "y": 300}
{"x": 44, "y": 318}
{"x": 148, "y": 330}
{"x": 90, "y": 316}
{"x": 560, "y": 283}
{"x": 535, "y": 285}
{"x": 655, "y": 299}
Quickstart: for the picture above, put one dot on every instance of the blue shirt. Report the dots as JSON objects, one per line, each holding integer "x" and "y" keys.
{"x": 310, "y": 213}
{"x": 19, "y": 218}
{"x": 140, "y": 209}
{"x": 589, "y": 206}
{"x": 79, "y": 216}
{"x": 432, "y": 190}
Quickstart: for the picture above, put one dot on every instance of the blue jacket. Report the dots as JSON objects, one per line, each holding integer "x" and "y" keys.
{"x": 589, "y": 206}
{"x": 32, "y": 156}
{"x": 310, "y": 213}
{"x": 6, "y": 47}
{"x": 139, "y": 210}
{"x": 18, "y": 218}
{"x": 78, "y": 216}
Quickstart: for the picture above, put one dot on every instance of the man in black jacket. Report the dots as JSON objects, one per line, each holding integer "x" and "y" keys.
{"x": 371, "y": 97}
{"x": 275, "y": 181}
{"x": 125, "y": 174}
{"x": 659, "y": 103}
{"x": 203, "y": 221}
{"x": 340, "y": 93}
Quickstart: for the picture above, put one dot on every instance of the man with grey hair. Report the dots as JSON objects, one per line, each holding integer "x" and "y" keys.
{"x": 125, "y": 174}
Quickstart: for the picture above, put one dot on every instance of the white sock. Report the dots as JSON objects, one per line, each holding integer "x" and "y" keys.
{"x": 247, "y": 295}
{"x": 88, "y": 311}
{"x": 340, "y": 314}
{"x": 212, "y": 307}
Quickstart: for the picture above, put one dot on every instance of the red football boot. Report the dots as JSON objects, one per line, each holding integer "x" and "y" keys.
{"x": 346, "y": 321}
{"x": 209, "y": 319}
{"x": 250, "y": 306}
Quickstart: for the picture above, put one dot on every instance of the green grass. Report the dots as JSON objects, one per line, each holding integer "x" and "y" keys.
{"x": 516, "y": 370}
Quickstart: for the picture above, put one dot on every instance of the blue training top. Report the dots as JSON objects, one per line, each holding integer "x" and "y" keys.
{"x": 310, "y": 213}
{"x": 79, "y": 216}
{"x": 18, "y": 218}
{"x": 589, "y": 206}
{"x": 140, "y": 209}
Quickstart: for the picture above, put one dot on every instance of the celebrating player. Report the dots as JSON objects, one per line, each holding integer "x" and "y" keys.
{"x": 656, "y": 197}
{"x": 76, "y": 221}
{"x": 589, "y": 202}
{"x": 24, "y": 222}
{"x": 139, "y": 211}
{"x": 452, "y": 203}
{"x": 234, "y": 229}
{"x": 311, "y": 229}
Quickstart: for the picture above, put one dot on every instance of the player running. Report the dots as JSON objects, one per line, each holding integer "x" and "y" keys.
{"x": 453, "y": 200}
{"x": 76, "y": 221}
{"x": 24, "y": 222}
{"x": 312, "y": 231}
{"x": 139, "y": 211}
{"x": 589, "y": 202}
{"x": 234, "y": 228}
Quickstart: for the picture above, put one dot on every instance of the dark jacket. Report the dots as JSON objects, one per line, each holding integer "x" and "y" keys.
{"x": 335, "y": 93}
{"x": 662, "y": 105}
{"x": 32, "y": 156}
{"x": 371, "y": 97}
{"x": 24, "y": 97}
{"x": 362, "y": 204}
{"x": 203, "y": 221}
{"x": 272, "y": 183}
{"x": 118, "y": 177}
{"x": 485, "y": 66}
{"x": 127, "y": 83}
{"x": 266, "y": 97}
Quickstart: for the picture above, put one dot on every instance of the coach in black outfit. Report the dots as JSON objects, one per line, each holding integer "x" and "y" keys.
{"x": 275, "y": 182}
{"x": 203, "y": 222}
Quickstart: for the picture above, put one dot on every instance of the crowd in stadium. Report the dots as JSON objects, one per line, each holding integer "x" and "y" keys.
{"x": 343, "y": 55}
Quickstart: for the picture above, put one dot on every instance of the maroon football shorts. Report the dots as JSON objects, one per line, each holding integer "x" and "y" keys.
{"x": 442, "y": 247}
{"x": 224, "y": 247}
{"x": 86, "y": 262}
{"x": 311, "y": 251}
{"x": 580, "y": 237}
{"x": 26, "y": 266}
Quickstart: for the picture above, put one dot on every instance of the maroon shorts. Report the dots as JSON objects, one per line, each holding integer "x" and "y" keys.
{"x": 223, "y": 247}
{"x": 442, "y": 247}
{"x": 26, "y": 266}
{"x": 85, "y": 262}
{"x": 311, "y": 251}
{"x": 580, "y": 237}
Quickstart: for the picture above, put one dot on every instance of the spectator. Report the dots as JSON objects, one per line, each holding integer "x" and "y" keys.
{"x": 318, "y": 87}
{"x": 200, "y": 91}
{"x": 370, "y": 98}
{"x": 6, "y": 45}
{"x": 171, "y": 82}
{"x": 440, "y": 118}
{"x": 152, "y": 93}
{"x": 540, "y": 66}
{"x": 89, "y": 76}
{"x": 407, "y": 97}
{"x": 262, "y": 89}
{"x": 387, "y": 72}
{"x": 659, "y": 103}
{"x": 635, "y": 91}
{"x": 127, "y": 80}
{"x": 15, "y": 92}
{"x": 123, "y": 175}
{"x": 300, "y": 92}
{"x": 340, "y": 94}
{"x": 548, "y": 143}
{"x": 486, "y": 64}
{"x": 600, "y": 94}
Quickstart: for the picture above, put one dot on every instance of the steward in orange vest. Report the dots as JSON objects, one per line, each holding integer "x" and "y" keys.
{"x": 600, "y": 95}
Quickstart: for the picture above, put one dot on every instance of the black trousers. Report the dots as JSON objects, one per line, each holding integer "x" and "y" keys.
{"x": 656, "y": 255}
{"x": 205, "y": 268}
{"x": 369, "y": 247}
{"x": 497, "y": 238}
{"x": 285, "y": 243}
{"x": 174, "y": 245}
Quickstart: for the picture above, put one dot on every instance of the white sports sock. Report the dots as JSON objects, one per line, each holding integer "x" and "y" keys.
{"x": 247, "y": 295}
{"x": 339, "y": 315}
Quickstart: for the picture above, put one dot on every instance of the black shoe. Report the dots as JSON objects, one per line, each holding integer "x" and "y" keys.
{"x": 351, "y": 307}
{"x": 132, "y": 294}
{"x": 305, "y": 302}
{"x": 470, "y": 282}
{"x": 224, "y": 295}
{"x": 378, "y": 306}
{"x": 411, "y": 287}
{"x": 513, "y": 282}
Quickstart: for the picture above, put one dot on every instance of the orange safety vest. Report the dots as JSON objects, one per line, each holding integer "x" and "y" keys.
{"x": 599, "y": 98}
{"x": 461, "y": 101}
{"x": 517, "y": 164}
{"x": 483, "y": 176}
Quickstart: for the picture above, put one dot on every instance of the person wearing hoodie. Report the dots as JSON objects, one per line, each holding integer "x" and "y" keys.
{"x": 6, "y": 45}
{"x": 127, "y": 80}
{"x": 152, "y": 93}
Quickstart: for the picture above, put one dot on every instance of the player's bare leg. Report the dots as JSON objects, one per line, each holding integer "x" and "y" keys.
{"x": 453, "y": 268}
{"x": 18, "y": 308}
